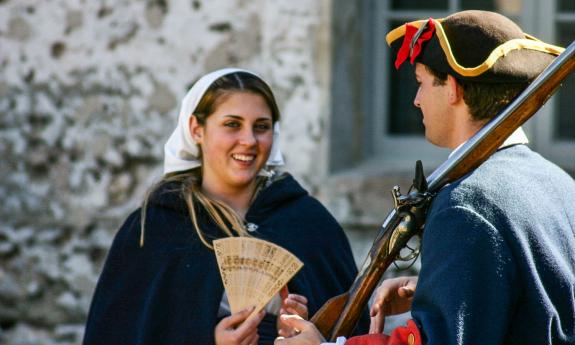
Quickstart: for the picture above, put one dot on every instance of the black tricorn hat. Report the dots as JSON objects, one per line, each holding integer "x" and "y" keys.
{"x": 473, "y": 45}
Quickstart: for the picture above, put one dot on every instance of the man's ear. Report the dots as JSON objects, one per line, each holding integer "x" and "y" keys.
{"x": 455, "y": 91}
{"x": 196, "y": 129}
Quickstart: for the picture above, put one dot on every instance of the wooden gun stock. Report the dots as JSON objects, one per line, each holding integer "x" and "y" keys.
{"x": 340, "y": 314}
{"x": 326, "y": 317}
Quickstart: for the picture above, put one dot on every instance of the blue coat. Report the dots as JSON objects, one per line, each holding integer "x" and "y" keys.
{"x": 169, "y": 291}
{"x": 498, "y": 256}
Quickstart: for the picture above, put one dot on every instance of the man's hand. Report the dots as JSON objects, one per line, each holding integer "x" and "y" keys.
{"x": 292, "y": 304}
{"x": 238, "y": 329}
{"x": 392, "y": 297}
{"x": 308, "y": 334}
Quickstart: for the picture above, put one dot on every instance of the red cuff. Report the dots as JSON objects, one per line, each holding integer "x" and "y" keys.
{"x": 408, "y": 335}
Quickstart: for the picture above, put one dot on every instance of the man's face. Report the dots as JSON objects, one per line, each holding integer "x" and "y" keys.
{"x": 432, "y": 98}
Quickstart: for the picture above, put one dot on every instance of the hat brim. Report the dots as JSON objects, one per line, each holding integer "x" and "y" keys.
{"x": 516, "y": 60}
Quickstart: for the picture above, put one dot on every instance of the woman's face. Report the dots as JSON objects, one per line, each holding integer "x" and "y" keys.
{"x": 236, "y": 141}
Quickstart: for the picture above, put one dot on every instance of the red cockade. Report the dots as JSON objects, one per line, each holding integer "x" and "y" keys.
{"x": 412, "y": 41}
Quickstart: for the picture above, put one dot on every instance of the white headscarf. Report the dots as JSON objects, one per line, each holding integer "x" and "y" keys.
{"x": 181, "y": 151}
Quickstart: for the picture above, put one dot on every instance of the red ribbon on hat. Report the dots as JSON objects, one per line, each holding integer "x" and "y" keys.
{"x": 412, "y": 41}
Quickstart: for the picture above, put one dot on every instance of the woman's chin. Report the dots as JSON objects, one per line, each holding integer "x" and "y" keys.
{"x": 244, "y": 179}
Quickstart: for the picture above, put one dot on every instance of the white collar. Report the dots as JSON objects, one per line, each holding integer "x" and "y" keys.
{"x": 517, "y": 137}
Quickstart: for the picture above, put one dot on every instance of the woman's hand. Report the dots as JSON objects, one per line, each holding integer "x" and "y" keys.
{"x": 238, "y": 329}
{"x": 392, "y": 297}
{"x": 292, "y": 304}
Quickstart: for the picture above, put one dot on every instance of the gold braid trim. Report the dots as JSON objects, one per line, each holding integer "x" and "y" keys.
{"x": 529, "y": 42}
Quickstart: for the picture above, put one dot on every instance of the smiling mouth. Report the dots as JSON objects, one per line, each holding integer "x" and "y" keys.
{"x": 243, "y": 158}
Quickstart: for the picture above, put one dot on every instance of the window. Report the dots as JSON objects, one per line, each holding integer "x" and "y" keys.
{"x": 554, "y": 128}
{"x": 374, "y": 121}
{"x": 564, "y": 128}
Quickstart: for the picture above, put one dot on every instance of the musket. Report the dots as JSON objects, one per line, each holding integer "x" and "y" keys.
{"x": 339, "y": 315}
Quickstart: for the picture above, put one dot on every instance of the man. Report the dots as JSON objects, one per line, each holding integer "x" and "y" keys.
{"x": 498, "y": 249}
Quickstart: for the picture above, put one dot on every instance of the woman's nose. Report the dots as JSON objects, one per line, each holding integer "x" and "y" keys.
{"x": 248, "y": 137}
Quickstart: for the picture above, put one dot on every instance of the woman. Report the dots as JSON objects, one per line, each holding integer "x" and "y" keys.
{"x": 161, "y": 283}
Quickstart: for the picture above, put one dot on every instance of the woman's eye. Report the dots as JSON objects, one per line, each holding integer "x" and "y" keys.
{"x": 263, "y": 127}
{"x": 232, "y": 124}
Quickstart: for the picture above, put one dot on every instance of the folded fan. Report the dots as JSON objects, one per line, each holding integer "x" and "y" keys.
{"x": 253, "y": 270}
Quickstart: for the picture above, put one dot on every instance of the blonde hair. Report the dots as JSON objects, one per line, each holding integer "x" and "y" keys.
{"x": 190, "y": 190}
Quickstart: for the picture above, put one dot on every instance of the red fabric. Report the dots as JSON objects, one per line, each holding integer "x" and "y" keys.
{"x": 369, "y": 339}
{"x": 405, "y": 51}
{"x": 408, "y": 335}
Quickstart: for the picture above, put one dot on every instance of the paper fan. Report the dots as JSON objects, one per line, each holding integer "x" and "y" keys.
{"x": 253, "y": 270}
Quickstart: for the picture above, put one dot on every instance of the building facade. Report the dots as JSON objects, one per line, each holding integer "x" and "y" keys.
{"x": 90, "y": 91}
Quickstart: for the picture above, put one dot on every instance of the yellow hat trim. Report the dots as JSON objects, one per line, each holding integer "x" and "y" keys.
{"x": 529, "y": 42}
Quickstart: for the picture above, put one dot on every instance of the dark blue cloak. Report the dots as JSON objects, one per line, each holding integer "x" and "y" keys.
{"x": 169, "y": 291}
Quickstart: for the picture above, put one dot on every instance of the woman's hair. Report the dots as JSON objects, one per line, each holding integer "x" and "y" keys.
{"x": 189, "y": 182}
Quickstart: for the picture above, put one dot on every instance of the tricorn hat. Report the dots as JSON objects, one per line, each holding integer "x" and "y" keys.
{"x": 473, "y": 45}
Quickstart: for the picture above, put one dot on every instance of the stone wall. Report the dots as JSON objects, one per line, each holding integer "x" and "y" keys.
{"x": 89, "y": 92}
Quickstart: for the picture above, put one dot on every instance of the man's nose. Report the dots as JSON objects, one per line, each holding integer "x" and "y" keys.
{"x": 416, "y": 101}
